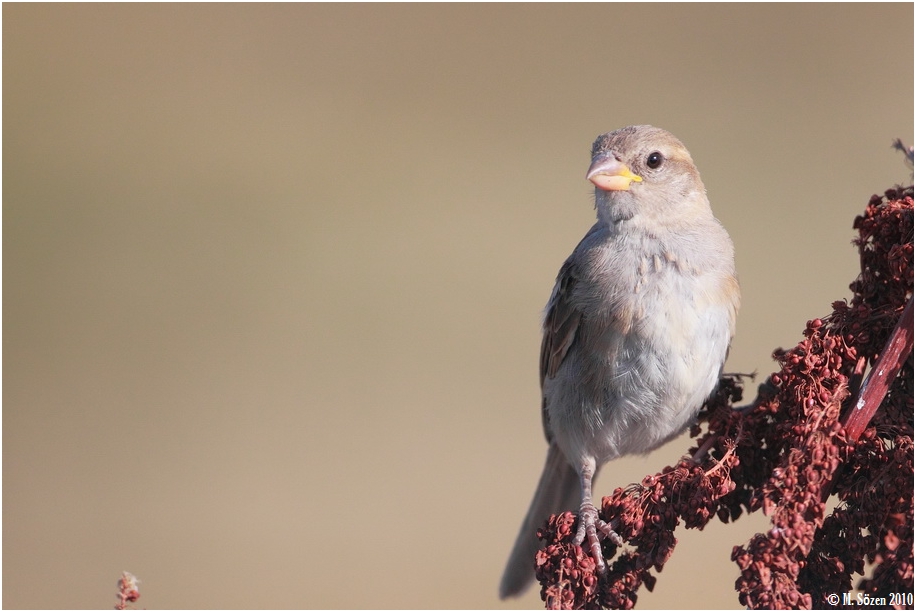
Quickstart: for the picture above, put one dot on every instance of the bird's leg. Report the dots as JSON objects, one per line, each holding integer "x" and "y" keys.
{"x": 589, "y": 523}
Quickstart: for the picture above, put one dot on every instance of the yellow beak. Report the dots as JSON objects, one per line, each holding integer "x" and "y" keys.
{"x": 610, "y": 174}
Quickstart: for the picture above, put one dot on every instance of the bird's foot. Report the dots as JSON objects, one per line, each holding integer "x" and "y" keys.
{"x": 592, "y": 529}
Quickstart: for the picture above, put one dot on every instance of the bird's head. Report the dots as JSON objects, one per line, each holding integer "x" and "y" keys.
{"x": 644, "y": 170}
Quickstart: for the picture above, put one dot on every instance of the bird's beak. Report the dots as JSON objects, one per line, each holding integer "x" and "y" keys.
{"x": 609, "y": 174}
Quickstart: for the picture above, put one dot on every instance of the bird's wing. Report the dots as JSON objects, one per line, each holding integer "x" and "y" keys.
{"x": 561, "y": 324}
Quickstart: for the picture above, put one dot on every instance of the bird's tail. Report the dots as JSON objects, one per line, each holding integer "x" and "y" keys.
{"x": 558, "y": 491}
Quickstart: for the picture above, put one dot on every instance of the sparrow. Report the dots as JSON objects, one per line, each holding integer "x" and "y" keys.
{"x": 635, "y": 333}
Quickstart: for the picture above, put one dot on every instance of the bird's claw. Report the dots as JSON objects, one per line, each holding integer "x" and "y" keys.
{"x": 608, "y": 532}
{"x": 587, "y": 535}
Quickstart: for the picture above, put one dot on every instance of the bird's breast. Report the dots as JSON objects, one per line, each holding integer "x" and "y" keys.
{"x": 647, "y": 356}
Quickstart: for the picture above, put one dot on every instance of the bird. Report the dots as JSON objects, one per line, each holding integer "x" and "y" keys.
{"x": 635, "y": 333}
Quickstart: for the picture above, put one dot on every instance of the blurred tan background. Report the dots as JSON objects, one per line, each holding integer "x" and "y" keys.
{"x": 273, "y": 274}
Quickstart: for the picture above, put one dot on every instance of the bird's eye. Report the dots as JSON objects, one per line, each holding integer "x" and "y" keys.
{"x": 654, "y": 160}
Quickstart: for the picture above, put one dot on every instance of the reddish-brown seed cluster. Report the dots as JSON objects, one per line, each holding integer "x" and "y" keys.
{"x": 569, "y": 570}
{"x": 806, "y": 556}
{"x": 785, "y": 454}
{"x": 128, "y": 590}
